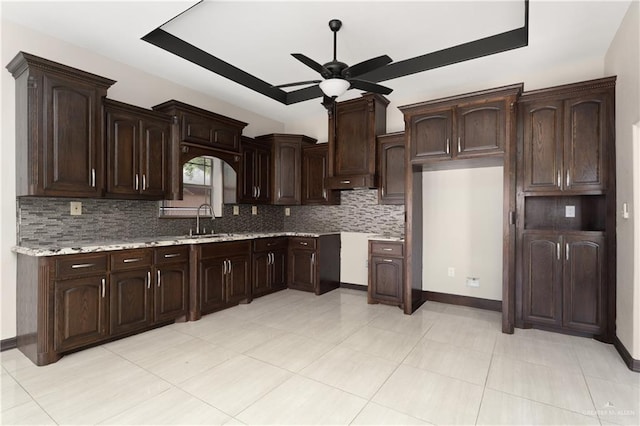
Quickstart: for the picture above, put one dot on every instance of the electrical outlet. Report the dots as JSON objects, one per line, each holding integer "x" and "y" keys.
{"x": 473, "y": 282}
{"x": 254, "y": 210}
{"x": 287, "y": 211}
{"x": 75, "y": 208}
{"x": 236, "y": 210}
{"x": 451, "y": 271}
{"x": 569, "y": 211}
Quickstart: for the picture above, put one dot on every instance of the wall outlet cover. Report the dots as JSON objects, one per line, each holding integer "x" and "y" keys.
{"x": 569, "y": 211}
{"x": 451, "y": 271}
{"x": 236, "y": 210}
{"x": 75, "y": 208}
{"x": 254, "y": 210}
{"x": 473, "y": 282}
{"x": 287, "y": 211}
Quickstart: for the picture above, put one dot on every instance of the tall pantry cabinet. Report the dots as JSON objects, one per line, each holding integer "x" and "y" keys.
{"x": 566, "y": 209}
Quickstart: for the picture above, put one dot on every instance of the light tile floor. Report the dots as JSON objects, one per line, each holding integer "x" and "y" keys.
{"x": 297, "y": 358}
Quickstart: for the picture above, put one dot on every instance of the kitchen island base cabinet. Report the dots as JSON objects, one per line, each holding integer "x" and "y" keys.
{"x": 220, "y": 276}
{"x": 314, "y": 263}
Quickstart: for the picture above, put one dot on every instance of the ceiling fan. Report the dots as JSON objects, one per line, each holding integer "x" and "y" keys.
{"x": 338, "y": 76}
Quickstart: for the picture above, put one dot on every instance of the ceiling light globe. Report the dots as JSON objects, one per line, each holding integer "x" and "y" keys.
{"x": 334, "y": 87}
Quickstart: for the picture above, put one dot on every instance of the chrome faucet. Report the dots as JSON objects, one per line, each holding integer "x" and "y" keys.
{"x": 198, "y": 216}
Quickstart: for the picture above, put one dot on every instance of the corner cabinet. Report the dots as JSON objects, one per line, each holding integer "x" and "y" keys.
{"x": 353, "y": 128}
{"x": 138, "y": 148}
{"x": 391, "y": 158}
{"x": 314, "y": 263}
{"x": 286, "y": 166}
{"x": 60, "y": 148}
{"x": 386, "y": 272}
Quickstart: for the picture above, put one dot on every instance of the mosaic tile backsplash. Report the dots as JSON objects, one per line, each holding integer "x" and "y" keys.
{"x": 44, "y": 222}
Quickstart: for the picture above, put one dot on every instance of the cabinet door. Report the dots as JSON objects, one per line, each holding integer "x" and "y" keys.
{"x": 586, "y": 130}
{"x": 238, "y": 278}
{"x": 391, "y": 171}
{"x": 131, "y": 302}
{"x": 481, "y": 129}
{"x": 80, "y": 312}
{"x": 315, "y": 169}
{"x": 212, "y": 284}
{"x": 278, "y": 269}
{"x": 354, "y": 145}
{"x": 247, "y": 188}
{"x": 206, "y": 131}
{"x": 583, "y": 283}
{"x": 261, "y": 273}
{"x": 72, "y": 149}
{"x": 302, "y": 269}
{"x": 170, "y": 301}
{"x": 262, "y": 175}
{"x": 286, "y": 172}
{"x": 123, "y": 144}
{"x": 542, "y": 279}
{"x": 543, "y": 142}
{"x": 386, "y": 278}
{"x": 432, "y": 133}
{"x": 154, "y": 154}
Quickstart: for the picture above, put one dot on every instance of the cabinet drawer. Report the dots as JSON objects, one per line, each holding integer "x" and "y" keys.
{"x": 130, "y": 259}
{"x": 171, "y": 254}
{"x": 350, "y": 182}
{"x": 267, "y": 244}
{"x": 303, "y": 242}
{"x": 72, "y": 266}
{"x": 225, "y": 249}
{"x": 386, "y": 248}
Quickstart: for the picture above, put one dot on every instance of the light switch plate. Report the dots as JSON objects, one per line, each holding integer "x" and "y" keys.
{"x": 569, "y": 211}
{"x": 451, "y": 271}
{"x": 287, "y": 211}
{"x": 254, "y": 210}
{"x": 75, "y": 208}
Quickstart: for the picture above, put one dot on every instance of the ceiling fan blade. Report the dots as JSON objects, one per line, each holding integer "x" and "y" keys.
{"x": 366, "y": 66}
{"x": 370, "y": 87}
{"x": 311, "y": 63}
{"x": 299, "y": 83}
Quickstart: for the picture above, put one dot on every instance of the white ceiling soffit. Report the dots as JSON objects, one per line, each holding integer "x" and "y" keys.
{"x": 259, "y": 37}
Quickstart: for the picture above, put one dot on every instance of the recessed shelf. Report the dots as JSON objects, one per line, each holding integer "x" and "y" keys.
{"x": 551, "y": 213}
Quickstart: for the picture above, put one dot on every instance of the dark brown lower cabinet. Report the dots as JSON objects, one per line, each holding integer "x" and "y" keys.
{"x": 314, "y": 263}
{"x": 563, "y": 280}
{"x": 131, "y": 301}
{"x": 79, "y": 312}
{"x": 269, "y": 271}
{"x": 222, "y": 277}
{"x": 171, "y": 282}
{"x": 386, "y": 272}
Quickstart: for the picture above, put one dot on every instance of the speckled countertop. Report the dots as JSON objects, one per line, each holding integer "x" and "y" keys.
{"x": 85, "y": 247}
{"x": 387, "y": 237}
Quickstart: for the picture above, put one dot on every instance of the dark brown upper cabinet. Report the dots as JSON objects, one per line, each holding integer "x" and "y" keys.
{"x": 59, "y": 149}
{"x": 204, "y": 128}
{"x": 138, "y": 150}
{"x": 286, "y": 166}
{"x": 391, "y": 168}
{"x": 254, "y": 179}
{"x": 315, "y": 170}
{"x": 566, "y": 134}
{"x": 462, "y": 127}
{"x": 353, "y": 128}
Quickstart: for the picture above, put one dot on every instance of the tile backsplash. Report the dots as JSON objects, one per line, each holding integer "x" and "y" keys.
{"x": 47, "y": 222}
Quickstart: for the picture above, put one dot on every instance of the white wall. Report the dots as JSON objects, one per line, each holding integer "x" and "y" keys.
{"x": 354, "y": 256}
{"x": 623, "y": 59}
{"x": 462, "y": 228}
{"x": 133, "y": 86}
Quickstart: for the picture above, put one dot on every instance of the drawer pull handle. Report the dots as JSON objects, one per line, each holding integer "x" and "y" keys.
{"x": 170, "y": 255}
{"x": 132, "y": 260}
{"x": 82, "y": 265}
{"x": 387, "y": 260}
{"x": 387, "y": 249}
{"x": 345, "y": 181}
{"x": 303, "y": 243}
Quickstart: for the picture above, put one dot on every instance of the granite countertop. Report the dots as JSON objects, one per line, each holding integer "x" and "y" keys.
{"x": 89, "y": 247}
{"x": 387, "y": 237}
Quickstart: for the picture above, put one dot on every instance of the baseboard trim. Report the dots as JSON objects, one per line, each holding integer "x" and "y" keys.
{"x": 354, "y": 286}
{"x": 633, "y": 364}
{"x": 456, "y": 299}
{"x": 10, "y": 343}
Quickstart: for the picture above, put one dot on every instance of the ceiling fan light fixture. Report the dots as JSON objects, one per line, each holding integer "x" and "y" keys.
{"x": 334, "y": 87}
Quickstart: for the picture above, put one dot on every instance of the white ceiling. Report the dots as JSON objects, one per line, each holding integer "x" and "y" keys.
{"x": 259, "y": 36}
